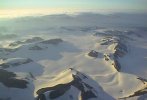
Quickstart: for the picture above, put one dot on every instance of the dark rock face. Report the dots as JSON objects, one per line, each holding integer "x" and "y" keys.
{"x": 119, "y": 38}
{"x": 108, "y": 40}
{"x": 9, "y": 80}
{"x": 52, "y": 41}
{"x": 4, "y": 65}
{"x": 87, "y": 95}
{"x": 35, "y": 48}
{"x": 106, "y": 57}
{"x": 34, "y": 39}
{"x": 16, "y": 43}
{"x": 116, "y": 65}
{"x": 19, "y": 63}
{"x": 7, "y": 50}
{"x": 61, "y": 87}
{"x": 87, "y": 91}
{"x": 59, "y": 91}
{"x": 115, "y": 33}
{"x": 109, "y": 33}
{"x": 105, "y": 43}
{"x": 7, "y": 65}
{"x": 93, "y": 53}
{"x": 100, "y": 34}
{"x": 120, "y": 50}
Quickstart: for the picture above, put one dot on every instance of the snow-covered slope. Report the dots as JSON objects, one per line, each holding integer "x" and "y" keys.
{"x": 90, "y": 63}
{"x": 72, "y": 85}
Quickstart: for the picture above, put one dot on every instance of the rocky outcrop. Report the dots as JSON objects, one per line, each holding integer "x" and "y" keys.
{"x": 13, "y": 62}
{"x": 60, "y": 89}
{"x": 114, "y": 32}
{"x": 113, "y": 39}
{"x": 120, "y": 50}
{"x": 109, "y": 40}
{"x": 31, "y": 40}
{"x": 123, "y": 35}
{"x": 93, "y": 53}
{"x": 8, "y": 79}
{"x": 79, "y": 81}
{"x": 16, "y": 43}
{"x": 52, "y": 41}
{"x": 35, "y": 47}
{"x": 116, "y": 65}
{"x": 39, "y": 40}
{"x": 106, "y": 57}
{"x": 34, "y": 39}
{"x": 7, "y": 50}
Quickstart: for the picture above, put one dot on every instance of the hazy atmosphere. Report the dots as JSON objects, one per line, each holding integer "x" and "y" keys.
{"x": 9, "y": 8}
{"x": 73, "y": 50}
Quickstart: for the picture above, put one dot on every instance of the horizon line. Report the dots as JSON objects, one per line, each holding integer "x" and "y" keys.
{"x": 14, "y": 13}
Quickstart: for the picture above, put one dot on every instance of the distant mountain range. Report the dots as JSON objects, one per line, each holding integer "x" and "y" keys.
{"x": 74, "y": 57}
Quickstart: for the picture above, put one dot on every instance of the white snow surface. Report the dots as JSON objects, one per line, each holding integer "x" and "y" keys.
{"x": 50, "y": 65}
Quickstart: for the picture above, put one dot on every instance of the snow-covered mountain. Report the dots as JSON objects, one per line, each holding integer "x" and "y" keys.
{"x": 77, "y": 86}
{"x": 74, "y": 57}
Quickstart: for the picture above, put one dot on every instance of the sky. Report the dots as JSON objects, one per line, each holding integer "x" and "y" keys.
{"x": 24, "y": 7}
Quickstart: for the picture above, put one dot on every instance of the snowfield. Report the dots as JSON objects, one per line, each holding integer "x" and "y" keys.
{"x": 77, "y": 57}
